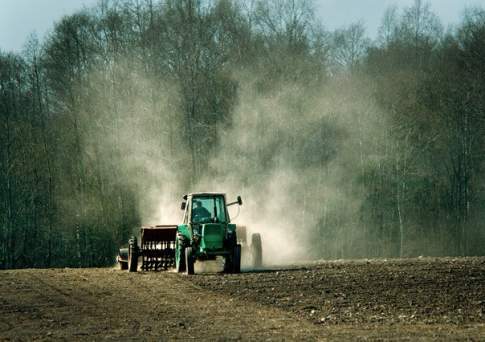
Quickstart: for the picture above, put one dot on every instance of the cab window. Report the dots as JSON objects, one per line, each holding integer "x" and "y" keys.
{"x": 208, "y": 209}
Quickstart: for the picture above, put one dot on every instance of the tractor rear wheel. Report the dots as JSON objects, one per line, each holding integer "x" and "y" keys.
{"x": 180, "y": 259}
{"x": 236, "y": 259}
{"x": 256, "y": 250}
{"x": 189, "y": 260}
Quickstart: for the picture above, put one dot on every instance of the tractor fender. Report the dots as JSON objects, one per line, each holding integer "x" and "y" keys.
{"x": 183, "y": 230}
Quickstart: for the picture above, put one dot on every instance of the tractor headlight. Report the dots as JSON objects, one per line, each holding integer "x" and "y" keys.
{"x": 230, "y": 235}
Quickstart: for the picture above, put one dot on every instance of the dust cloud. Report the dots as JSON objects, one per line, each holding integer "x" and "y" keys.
{"x": 292, "y": 153}
{"x": 141, "y": 147}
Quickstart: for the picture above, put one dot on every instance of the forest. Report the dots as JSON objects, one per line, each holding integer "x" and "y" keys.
{"x": 342, "y": 145}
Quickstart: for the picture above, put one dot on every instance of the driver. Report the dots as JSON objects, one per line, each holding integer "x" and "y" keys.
{"x": 200, "y": 212}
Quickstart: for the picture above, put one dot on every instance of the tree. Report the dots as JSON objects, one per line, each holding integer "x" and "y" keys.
{"x": 350, "y": 45}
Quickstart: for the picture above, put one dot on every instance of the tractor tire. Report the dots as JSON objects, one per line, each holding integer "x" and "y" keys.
{"x": 180, "y": 266}
{"x": 189, "y": 261}
{"x": 227, "y": 265}
{"x": 133, "y": 256}
{"x": 236, "y": 259}
{"x": 123, "y": 265}
{"x": 256, "y": 250}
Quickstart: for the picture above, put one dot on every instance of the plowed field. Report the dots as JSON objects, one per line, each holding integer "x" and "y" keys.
{"x": 408, "y": 299}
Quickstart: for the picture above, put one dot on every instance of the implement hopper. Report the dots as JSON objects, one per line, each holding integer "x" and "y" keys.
{"x": 158, "y": 247}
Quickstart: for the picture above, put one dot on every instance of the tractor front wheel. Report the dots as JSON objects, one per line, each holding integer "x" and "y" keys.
{"x": 189, "y": 260}
{"x": 227, "y": 264}
{"x": 180, "y": 259}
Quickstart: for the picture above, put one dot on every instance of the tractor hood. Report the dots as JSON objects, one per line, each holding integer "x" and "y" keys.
{"x": 212, "y": 236}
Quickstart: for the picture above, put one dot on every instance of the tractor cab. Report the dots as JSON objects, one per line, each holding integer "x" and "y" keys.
{"x": 206, "y": 207}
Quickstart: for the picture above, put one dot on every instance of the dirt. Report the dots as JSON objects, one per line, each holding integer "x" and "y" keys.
{"x": 407, "y": 299}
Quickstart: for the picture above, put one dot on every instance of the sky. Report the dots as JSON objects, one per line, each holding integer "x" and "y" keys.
{"x": 20, "y": 18}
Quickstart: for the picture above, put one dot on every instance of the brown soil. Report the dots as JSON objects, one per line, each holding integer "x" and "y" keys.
{"x": 411, "y": 299}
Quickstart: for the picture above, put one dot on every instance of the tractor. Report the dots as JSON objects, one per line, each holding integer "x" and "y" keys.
{"x": 205, "y": 233}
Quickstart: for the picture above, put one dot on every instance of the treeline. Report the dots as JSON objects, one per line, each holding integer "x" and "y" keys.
{"x": 132, "y": 99}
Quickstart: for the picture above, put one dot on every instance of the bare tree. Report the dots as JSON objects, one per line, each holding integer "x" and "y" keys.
{"x": 349, "y": 46}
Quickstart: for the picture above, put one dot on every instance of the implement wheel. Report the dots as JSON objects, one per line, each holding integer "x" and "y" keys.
{"x": 189, "y": 260}
{"x": 133, "y": 255}
{"x": 123, "y": 258}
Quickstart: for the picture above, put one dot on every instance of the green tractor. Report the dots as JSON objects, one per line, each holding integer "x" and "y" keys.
{"x": 206, "y": 233}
